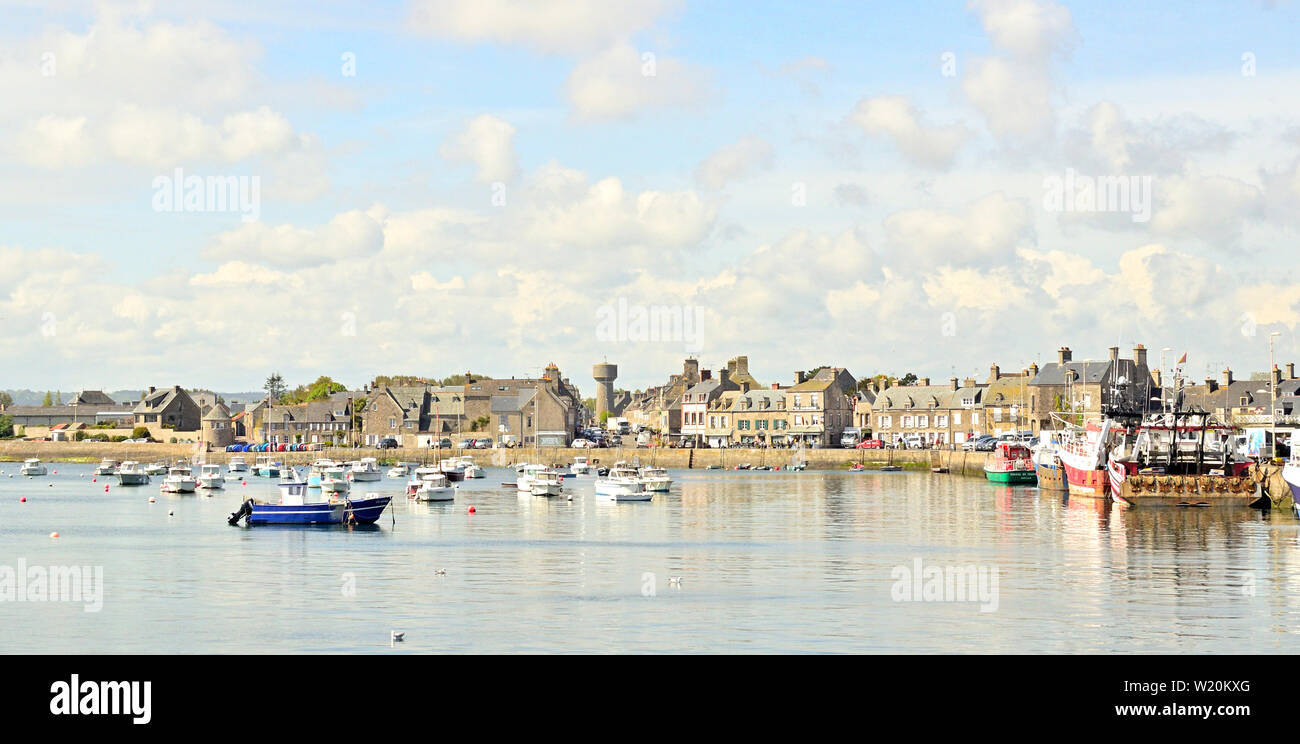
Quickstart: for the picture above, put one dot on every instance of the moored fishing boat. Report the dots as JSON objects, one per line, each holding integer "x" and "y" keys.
{"x": 365, "y": 471}
{"x": 400, "y": 470}
{"x": 546, "y": 482}
{"x": 1047, "y": 466}
{"x": 472, "y": 470}
{"x": 434, "y": 487}
{"x": 180, "y": 479}
{"x": 32, "y": 466}
{"x": 266, "y": 467}
{"x": 1010, "y": 463}
{"x": 131, "y": 474}
{"x": 1179, "y": 458}
{"x": 622, "y": 484}
{"x": 655, "y": 479}
{"x": 524, "y": 475}
{"x": 453, "y": 468}
{"x": 334, "y": 480}
{"x": 210, "y": 478}
{"x": 300, "y": 505}
{"x": 156, "y": 468}
{"x": 106, "y": 467}
{"x": 580, "y": 466}
{"x": 237, "y": 464}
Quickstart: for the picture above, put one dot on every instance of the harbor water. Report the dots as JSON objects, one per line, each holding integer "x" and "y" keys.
{"x": 767, "y": 562}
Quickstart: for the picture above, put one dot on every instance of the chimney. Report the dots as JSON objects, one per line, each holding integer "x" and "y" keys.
{"x": 1277, "y": 375}
{"x": 1063, "y": 355}
{"x": 1033, "y": 370}
{"x": 1114, "y": 353}
{"x": 952, "y": 382}
{"x": 1227, "y": 377}
{"x": 152, "y": 389}
{"x": 884, "y": 383}
{"x": 799, "y": 376}
{"x": 968, "y": 382}
{"x": 775, "y": 386}
{"x": 741, "y": 367}
{"x": 706, "y": 375}
{"x": 995, "y": 373}
{"x": 1211, "y": 384}
{"x": 724, "y": 376}
{"x": 1155, "y": 376}
{"x": 1290, "y": 370}
{"x": 1140, "y": 355}
{"x": 691, "y": 370}
{"x": 924, "y": 382}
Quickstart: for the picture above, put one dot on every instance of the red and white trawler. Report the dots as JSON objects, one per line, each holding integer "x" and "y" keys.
{"x": 1178, "y": 458}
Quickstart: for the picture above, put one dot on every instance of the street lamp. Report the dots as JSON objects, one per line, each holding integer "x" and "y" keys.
{"x": 1163, "y": 373}
{"x": 1272, "y": 398}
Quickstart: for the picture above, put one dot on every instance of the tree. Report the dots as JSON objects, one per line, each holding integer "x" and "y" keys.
{"x": 49, "y": 400}
{"x": 6, "y": 426}
{"x": 907, "y": 379}
{"x": 275, "y": 387}
{"x": 6, "y": 400}
{"x": 140, "y": 432}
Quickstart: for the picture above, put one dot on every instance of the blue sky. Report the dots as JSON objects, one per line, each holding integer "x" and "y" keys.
{"x": 378, "y": 248}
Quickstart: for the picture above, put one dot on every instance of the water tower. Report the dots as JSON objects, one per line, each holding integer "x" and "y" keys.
{"x": 605, "y": 375}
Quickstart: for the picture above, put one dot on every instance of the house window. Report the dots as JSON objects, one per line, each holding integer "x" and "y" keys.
{"x": 392, "y": 423}
{"x": 956, "y": 419}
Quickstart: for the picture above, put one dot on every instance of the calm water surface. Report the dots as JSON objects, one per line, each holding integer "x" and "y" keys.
{"x": 770, "y": 562}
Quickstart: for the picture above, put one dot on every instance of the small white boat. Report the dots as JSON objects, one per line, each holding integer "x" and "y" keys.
{"x": 365, "y": 471}
{"x": 622, "y": 484}
{"x": 400, "y": 470}
{"x": 334, "y": 480}
{"x": 580, "y": 466}
{"x": 32, "y": 466}
{"x": 267, "y": 467}
{"x": 180, "y": 479}
{"x": 472, "y": 470}
{"x": 156, "y": 468}
{"x": 655, "y": 479}
{"x": 210, "y": 477}
{"x": 237, "y": 464}
{"x": 546, "y": 482}
{"x": 131, "y": 474}
{"x": 453, "y": 468}
{"x": 524, "y": 473}
{"x": 107, "y": 467}
{"x": 435, "y": 487}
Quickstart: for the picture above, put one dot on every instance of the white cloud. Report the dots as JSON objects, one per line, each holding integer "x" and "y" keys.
{"x": 488, "y": 143}
{"x": 1212, "y": 208}
{"x": 620, "y": 82}
{"x": 733, "y": 162}
{"x": 1027, "y": 28}
{"x": 1015, "y": 98}
{"x": 896, "y": 118}
{"x": 350, "y": 235}
{"x": 989, "y": 229}
{"x": 558, "y": 26}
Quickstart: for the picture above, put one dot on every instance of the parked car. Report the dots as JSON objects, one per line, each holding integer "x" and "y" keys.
{"x": 582, "y": 443}
{"x": 483, "y": 443}
{"x": 466, "y": 444}
{"x": 870, "y": 444}
{"x": 387, "y": 443}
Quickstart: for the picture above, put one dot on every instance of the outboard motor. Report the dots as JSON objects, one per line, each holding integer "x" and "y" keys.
{"x": 245, "y": 510}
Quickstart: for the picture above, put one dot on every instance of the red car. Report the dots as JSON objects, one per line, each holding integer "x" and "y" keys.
{"x": 871, "y": 444}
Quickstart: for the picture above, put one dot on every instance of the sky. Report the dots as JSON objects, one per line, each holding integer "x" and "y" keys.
{"x": 435, "y": 186}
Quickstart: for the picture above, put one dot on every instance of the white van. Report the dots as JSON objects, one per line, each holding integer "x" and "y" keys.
{"x": 913, "y": 441}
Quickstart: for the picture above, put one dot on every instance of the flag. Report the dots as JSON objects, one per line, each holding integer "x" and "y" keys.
{"x": 1183, "y": 359}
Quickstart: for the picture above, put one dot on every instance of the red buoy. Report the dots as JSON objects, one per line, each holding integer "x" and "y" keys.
{"x": 471, "y": 510}
{"x": 23, "y": 500}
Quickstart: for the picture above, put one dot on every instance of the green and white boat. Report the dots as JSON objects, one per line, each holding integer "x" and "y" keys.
{"x": 1011, "y": 463}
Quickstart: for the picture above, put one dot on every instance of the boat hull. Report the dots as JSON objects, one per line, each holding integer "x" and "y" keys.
{"x": 362, "y": 511}
{"x": 1186, "y": 490}
{"x": 1051, "y": 477}
{"x": 1014, "y": 477}
{"x": 444, "y": 493}
{"x": 132, "y": 479}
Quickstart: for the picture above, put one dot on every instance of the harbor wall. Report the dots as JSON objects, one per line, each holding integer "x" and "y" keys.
{"x": 970, "y": 463}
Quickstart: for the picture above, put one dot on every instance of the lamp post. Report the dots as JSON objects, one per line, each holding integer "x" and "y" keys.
{"x": 1163, "y": 373}
{"x": 1272, "y": 398}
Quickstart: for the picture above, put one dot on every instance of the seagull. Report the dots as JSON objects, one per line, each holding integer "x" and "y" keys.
{"x": 440, "y": 572}
{"x": 399, "y": 635}
{"x": 674, "y": 581}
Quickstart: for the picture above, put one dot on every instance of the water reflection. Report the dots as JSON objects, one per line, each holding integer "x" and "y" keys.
{"x": 771, "y": 561}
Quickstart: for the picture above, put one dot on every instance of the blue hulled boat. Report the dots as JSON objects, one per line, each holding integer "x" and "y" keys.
{"x": 300, "y": 504}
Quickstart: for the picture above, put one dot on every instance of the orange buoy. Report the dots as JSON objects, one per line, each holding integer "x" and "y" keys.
{"x": 54, "y": 534}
